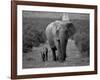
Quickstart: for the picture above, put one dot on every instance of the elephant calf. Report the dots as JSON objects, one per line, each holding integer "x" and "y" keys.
{"x": 44, "y": 54}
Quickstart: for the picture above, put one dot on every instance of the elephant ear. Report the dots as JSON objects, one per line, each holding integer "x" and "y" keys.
{"x": 71, "y": 29}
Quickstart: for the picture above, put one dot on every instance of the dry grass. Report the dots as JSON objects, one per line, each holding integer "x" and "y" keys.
{"x": 33, "y": 59}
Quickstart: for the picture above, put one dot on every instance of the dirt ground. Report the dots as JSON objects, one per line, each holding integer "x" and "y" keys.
{"x": 33, "y": 59}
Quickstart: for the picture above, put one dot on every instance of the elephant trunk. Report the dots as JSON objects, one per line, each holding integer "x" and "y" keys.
{"x": 62, "y": 47}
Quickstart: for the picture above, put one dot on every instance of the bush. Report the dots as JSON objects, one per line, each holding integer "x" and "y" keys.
{"x": 81, "y": 37}
{"x": 82, "y": 41}
{"x": 32, "y": 39}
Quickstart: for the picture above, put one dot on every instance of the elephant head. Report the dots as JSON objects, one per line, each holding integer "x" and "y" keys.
{"x": 58, "y": 33}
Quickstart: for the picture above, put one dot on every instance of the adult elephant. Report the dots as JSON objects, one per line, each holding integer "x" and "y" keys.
{"x": 58, "y": 33}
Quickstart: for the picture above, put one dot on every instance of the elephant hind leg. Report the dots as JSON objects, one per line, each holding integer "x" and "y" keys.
{"x": 54, "y": 53}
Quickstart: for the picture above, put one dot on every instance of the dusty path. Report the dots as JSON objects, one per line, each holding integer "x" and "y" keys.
{"x": 33, "y": 59}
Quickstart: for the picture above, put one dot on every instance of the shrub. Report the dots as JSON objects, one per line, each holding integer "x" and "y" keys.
{"x": 32, "y": 39}
{"x": 81, "y": 37}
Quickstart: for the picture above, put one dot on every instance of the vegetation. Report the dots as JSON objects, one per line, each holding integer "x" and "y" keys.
{"x": 82, "y": 35}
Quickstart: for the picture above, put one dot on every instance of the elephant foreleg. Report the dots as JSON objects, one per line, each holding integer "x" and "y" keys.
{"x": 54, "y": 53}
{"x": 46, "y": 55}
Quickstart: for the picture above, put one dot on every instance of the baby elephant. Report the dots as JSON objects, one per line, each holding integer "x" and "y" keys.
{"x": 44, "y": 54}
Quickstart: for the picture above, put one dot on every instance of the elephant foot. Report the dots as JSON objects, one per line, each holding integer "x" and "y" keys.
{"x": 62, "y": 59}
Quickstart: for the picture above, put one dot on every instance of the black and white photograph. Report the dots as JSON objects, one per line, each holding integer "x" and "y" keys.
{"x": 55, "y": 39}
